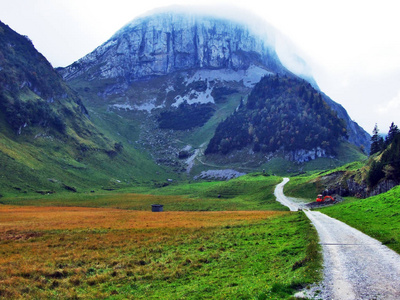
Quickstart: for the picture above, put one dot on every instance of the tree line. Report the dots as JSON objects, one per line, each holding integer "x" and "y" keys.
{"x": 385, "y": 153}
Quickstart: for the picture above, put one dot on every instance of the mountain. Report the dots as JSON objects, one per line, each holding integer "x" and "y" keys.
{"x": 47, "y": 139}
{"x": 165, "y": 43}
{"x": 175, "y": 76}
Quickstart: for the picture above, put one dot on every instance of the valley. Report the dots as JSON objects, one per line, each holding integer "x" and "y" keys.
{"x": 196, "y": 113}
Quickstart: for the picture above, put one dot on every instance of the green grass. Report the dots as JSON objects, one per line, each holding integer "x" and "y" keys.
{"x": 263, "y": 258}
{"x": 48, "y": 163}
{"x": 27, "y": 170}
{"x": 204, "y": 133}
{"x": 243, "y": 262}
{"x": 304, "y": 186}
{"x": 376, "y": 216}
{"x": 250, "y": 192}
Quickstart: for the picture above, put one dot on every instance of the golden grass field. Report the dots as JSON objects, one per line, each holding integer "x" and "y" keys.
{"x": 25, "y": 218}
{"x": 97, "y": 253}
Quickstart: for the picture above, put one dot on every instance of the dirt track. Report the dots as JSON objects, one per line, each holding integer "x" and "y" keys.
{"x": 356, "y": 266}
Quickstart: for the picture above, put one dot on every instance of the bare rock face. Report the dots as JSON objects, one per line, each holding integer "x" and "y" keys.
{"x": 167, "y": 42}
{"x": 302, "y": 155}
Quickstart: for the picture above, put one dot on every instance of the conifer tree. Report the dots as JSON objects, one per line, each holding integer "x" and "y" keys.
{"x": 393, "y": 131}
{"x": 377, "y": 141}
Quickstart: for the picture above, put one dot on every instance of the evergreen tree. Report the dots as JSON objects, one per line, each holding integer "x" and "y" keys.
{"x": 375, "y": 173}
{"x": 377, "y": 142}
{"x": 393, "y": 131}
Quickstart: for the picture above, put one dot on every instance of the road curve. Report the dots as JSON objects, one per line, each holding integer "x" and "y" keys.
{"x": 280, "y": 197}
{"x": 356, "y": 266}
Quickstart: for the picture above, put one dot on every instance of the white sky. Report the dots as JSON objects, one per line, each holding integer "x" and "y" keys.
{"x": 352, "y": 46}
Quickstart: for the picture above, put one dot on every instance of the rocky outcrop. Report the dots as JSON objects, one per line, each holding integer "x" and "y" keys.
{"x": 340, "y": 183}
{"x": 301, "y": 155}
{"x": 167, "y": 42}
{"x": 219, "y": 174}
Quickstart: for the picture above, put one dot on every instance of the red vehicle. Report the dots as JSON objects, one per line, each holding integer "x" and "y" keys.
{"x": 321, "y": 198}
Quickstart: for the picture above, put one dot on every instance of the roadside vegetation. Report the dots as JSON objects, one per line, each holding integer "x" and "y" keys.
{"x": 309, "y": 185}
{"x": 378, "y": 216}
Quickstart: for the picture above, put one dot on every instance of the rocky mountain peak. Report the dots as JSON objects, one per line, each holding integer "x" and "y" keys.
{"x": 167, "y": 42}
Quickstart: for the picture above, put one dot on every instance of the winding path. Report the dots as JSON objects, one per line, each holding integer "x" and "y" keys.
{"x": 356, "y": 266}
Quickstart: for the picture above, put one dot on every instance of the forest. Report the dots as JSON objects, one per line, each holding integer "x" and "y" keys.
{"x": 281, "y": 113}
{"x": 186, "y": 116}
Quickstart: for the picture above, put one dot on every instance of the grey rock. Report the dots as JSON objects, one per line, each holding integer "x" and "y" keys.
{"x": 302, "y": 155}
{"x": 168, "y": 42}
{"x": 219, "y": 174}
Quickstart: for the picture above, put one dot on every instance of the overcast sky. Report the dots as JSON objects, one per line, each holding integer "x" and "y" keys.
{"x": 351, "y": 46}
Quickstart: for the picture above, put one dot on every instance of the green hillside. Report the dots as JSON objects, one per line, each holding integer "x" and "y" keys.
{"x": 362, "y": 178}
{"x": 48, "y": 141}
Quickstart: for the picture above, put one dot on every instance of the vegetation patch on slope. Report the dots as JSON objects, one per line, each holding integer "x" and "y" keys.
{"x": 185, "y": 116}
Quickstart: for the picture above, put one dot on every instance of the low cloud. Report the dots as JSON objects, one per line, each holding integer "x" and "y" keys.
{"x": 391, "y": 106}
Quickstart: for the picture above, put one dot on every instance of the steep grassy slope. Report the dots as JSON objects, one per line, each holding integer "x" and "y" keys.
{"x": 48, "y": 142}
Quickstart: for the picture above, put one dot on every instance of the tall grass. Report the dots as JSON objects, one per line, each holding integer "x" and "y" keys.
{"x": 97, "y": 253}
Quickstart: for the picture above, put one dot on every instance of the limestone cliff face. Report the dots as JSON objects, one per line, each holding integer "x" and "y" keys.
{"x": 168, "y": 42}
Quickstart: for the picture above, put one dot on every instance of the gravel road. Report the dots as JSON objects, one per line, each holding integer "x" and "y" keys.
{"x": 356, "y": 266}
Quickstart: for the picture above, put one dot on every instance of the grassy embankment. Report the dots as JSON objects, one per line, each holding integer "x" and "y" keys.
{"x": 376, "y": 216}
{"x": 95, "y": 253}
{"x": 308, "y": 186}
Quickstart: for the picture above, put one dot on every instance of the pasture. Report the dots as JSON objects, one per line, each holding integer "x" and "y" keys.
{"x": 107, "y": 253}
